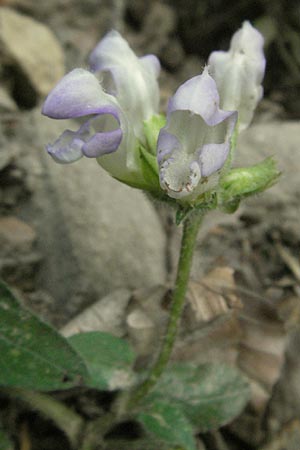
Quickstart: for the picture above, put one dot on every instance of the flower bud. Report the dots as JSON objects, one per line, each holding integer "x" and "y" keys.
{"x": 239, "y": 73}
{"x": 246, "y": 181}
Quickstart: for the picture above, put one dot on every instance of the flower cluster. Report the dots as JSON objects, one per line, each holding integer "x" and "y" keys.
{"x": 181, "y": 155}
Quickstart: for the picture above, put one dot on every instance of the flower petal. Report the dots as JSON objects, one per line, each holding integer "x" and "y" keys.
{"x": 103, "y": 143}
{"x": 166, "y": 144}
{"x": 195, "y": 142}
{"x": 212, "y": 157}
{"x": 134, "y": 79}
{"x": 67, "y": 148}
{"x": 179, "y": 175}
{"x": 199, "y": 95}
{"x": 79, "y": 94}
{"x": 239, "y": 73}
{"x": 99, "y": 136}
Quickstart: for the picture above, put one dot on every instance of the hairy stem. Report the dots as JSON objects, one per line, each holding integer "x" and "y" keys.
{"x": 190, "y": 231}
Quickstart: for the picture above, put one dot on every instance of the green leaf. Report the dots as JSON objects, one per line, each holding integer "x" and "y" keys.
{"x": 168, "y": 423}
{"x": 181, "y": 214}
{"x": 210, "y": 395}
{"x": 147, "y": 443}
{"x": 108, "y": 358}
{"x": 33, "y": 354}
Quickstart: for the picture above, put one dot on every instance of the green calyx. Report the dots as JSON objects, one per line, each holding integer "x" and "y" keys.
{"x": 152, "y": 128}
{"x": 148, "y": 179}
{"x": 147, "y": 154}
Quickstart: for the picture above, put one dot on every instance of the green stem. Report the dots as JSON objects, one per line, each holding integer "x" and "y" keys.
{"x": 95, "y": 430}
{"x": 190, "y": 231}
{"x": 66, "y": 419}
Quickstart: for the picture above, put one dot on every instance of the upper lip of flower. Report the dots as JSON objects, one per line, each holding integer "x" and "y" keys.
{"x": 196, "y": 140}
{"x": 133, "y": 80}
{"x": 125, "y": 98}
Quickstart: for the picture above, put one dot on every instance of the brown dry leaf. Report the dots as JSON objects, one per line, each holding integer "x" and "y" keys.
{"x": 25, "y": 440}
{"x": 221, "y": 323}
{"x": 230, "y": 325}
{"x": 146, "y": 319}
{"x": 289, "y": 311}
{"x": 211, "y": 330}
{"x": 105, "y": 315}
{"x": 289, "y": 259}
{"x": 287, "y": 439}
{"x": 214, "y": 295}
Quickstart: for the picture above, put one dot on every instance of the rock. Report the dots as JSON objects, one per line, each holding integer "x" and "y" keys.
{"x": 7, "y": 104}
{"x": 33, "y": 55}
{"x": 160, "y": 20}
{"x": 19, "y": 260}
{"x": 278, "y": 206}
{"x": 96, "y": 234}
{"x": 172, "y": 54}
{"x": 287, "y": 439}
{"x": 137, "y": 11}
{"x": 5, "y": 157}
{"x": 159, "y": 24}
{"x": 108, "y": 315}
{"x": 16, "y": 236}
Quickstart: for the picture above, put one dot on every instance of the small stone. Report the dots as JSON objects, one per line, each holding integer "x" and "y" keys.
{"x": 161, "y": 20}
{"x": 15, "y": 236}
{"x": 159, "y": 25}
{"x": 280, "y": 140}
{"x": 7, "y": 104}
{"x": 137, "y": 11}
{"x": 18, "y": 259}
{"x": 106, "y": 315}
{"x": 172, "y": 54}
{"x": 5, "y": 158}
{"x": 32, "y": 53}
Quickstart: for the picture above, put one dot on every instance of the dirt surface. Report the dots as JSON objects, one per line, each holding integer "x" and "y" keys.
{"x": 52, "y": 255}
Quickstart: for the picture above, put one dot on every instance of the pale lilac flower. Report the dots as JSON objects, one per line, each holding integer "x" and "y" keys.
{"x": 115, "y": 99}
{"x": 239, "y": 73}
{"x": 195, "y": 143}
{"x": 119, "y": 98}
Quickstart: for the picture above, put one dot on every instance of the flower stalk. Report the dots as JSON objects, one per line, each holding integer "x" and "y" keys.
{"x": 190, "y": 231}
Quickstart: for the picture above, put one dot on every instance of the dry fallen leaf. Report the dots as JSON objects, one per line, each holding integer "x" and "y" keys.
{"x": 214, "y": 295}
{"x": 234, "y": 326}
{"x": 105, "y": 315}
{"x": 287, "y": 439}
